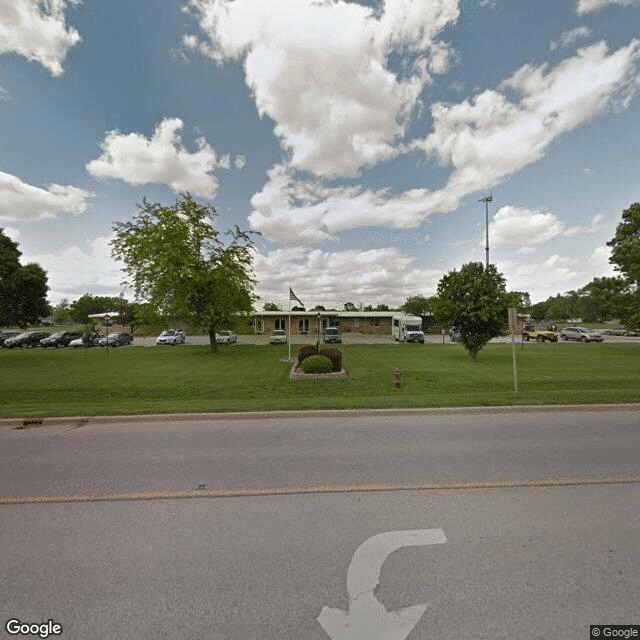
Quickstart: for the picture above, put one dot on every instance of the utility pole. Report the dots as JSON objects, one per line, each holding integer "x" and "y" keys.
{"x": 486, "y": 200}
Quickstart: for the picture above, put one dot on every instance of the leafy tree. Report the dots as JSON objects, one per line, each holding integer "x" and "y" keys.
{"x": 318, "y": 307}
{"x": 23, "y": 289}
{"x": 382, "y": 307}
{"x": 271, "y": 306}
{"x": 298, "y": 308}
{"x": 473, "y": 300}
{"x": 177, "y": 261}
{"x": 349, "y": 306}
{"x": 88, "y": 304}
{"x": 62, "y": 312}
{"x": 416, "y": 306}
{"x": 625, "y": 253}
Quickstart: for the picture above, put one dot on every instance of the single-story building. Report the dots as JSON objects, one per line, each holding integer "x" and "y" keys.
{"x": 309, "y": 322}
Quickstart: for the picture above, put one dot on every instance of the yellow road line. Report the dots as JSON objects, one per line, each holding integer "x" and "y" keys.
{"x": 312, "y": 489}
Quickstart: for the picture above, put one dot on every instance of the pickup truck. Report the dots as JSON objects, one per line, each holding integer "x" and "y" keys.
{"x": 539, "y": 334}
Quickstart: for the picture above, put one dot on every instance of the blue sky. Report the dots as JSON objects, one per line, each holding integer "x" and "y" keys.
{"x": 357, "y": 137}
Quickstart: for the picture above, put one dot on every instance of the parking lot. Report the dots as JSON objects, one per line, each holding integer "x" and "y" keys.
{"x": 360, "y": 338}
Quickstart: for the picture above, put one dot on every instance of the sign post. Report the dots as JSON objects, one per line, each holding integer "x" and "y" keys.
{"x": 512, "y": 328}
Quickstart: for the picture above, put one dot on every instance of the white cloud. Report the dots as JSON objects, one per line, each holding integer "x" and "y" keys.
{"x": 555, "y": 274}
{"x": 240, "y": 162}
{"x": 12, "y": 233}
{"x": 355, "y": 110}
{"x": 24, "y": 202}
{"x": 306, "y": 213}
{"x": 594, "y": 227}
{"x": 490, "y": 137}
{"x": 484, "y": 140}
{"x": 520, "y": 226}
{"x": 160, "y": 159}
{"x": 568, "y": 38}
{"x": 78, "y": 270}
{"x": 587, "y": 6}
{"x": 37, "y": 31}
{"x": 383, "y": 275}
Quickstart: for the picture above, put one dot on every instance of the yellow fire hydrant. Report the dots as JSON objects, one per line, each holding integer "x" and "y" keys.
{"x": 397, "y": 377}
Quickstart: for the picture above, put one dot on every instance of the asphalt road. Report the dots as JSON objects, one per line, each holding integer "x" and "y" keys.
{"x": 539, "y": 510}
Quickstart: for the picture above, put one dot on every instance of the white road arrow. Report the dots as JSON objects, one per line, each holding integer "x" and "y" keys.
{"x": 367, "y": 618}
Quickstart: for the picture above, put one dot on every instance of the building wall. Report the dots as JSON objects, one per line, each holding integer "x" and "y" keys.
{"x": 308, "y": 325}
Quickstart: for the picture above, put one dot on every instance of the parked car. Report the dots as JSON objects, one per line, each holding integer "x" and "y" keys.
{"x": 278, "y": 337}
{"x": 171, "y": 336}
{"x": 332, "y": 334}
{"x": 116, "y": 340}
{"x": 634, "y": 333}
{"x": 26, "y": 339}
{"x": 454, "y": 334}
{"x": 4, "y": 335}
{"x": 79, "y": 342}
{"x": 226, "y": 337}
{"x": 582, "y": 334}
{"x": 59, "y": 339}
{"x": 618, "y": 331}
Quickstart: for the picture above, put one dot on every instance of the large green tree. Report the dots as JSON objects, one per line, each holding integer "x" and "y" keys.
{"x": 177, "y": 261}
{"x": 417, "y": 306}
{"x": 23, "y": 288}
{"x": 625, "y": 245}
{"x": 473, "y": 300}
{"x": 625, "y": 255}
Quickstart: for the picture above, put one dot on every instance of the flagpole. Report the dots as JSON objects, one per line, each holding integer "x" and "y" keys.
{"x": 289, "y": 324}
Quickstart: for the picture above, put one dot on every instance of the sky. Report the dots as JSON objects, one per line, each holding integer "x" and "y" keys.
{"x": 359, "y": 137}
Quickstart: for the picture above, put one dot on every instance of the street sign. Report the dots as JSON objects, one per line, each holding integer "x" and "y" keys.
{"x": 367, "y": 617}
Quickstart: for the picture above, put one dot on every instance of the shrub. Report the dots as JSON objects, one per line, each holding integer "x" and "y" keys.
{"x": 335, "y": 355}
{"x": 317, "y": 364}
{"x": 305, "y": 352}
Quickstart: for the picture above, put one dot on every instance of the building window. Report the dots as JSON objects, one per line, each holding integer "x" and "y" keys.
{"x": 303, "y": 325}
{"x": 374, "y": 322}
{"x": 354, "y": 322}
{"x": 279, "y": 324}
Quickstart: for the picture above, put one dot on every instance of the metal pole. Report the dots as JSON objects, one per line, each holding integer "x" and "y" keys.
{"x": 486, "y": 200}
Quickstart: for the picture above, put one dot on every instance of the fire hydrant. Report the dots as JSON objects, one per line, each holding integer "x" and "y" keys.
{"x": 397, "y": 377}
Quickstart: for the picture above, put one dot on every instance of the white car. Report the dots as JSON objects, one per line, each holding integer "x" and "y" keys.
{"x": 171, "y": 336}
{"x": 278, "y": 337}
{"x": 226, "y": 337}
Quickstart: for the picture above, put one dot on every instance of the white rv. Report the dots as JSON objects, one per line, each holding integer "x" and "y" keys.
{"x": 407, "y": 329}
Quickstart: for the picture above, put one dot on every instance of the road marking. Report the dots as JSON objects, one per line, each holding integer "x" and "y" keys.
{"x": 296, "y": 490}
{"x": 367, "y": 617}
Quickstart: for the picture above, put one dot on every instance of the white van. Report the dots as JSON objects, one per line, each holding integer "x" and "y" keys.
{"x": 407, "y": 329}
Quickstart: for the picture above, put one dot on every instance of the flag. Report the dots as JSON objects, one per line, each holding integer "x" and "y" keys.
{"x": 293, "y": 296}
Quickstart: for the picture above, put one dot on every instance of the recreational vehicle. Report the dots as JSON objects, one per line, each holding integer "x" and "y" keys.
{"x": 407, "y": 329}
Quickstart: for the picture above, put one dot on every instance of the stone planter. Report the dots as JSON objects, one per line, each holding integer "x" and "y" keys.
{"x": 298, "y": 374}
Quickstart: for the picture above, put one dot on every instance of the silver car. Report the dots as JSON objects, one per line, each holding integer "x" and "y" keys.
{"x": 226, "y": 337}
{"x": 581, "y": 334}
{"x": 171, "y": 336}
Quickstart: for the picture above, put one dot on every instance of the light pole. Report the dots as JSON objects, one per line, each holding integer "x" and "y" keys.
{"x": 486, "y": 200}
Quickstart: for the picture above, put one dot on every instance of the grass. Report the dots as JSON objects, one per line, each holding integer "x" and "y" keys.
{"x": 139, "y": 380}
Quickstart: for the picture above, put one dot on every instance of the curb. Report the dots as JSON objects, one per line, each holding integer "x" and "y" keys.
{"x": 78, "y": 421}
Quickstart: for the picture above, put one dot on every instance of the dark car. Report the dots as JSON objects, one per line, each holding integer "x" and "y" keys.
{"x": 26, "y": 339}
{"x": 332, "y": 335}
{"x": 116, "y": 340}
{"x": 59, "y": 339}
{"x": 5, "y": 335}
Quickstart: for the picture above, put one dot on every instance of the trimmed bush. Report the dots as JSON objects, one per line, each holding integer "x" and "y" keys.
{"x": 335, "y": 355}
{"x": 306, "y": 351}
{"x": 317, "y": 364}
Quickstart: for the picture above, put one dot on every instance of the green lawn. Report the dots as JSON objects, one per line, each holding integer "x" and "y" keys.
{"x": 137, "y": 380}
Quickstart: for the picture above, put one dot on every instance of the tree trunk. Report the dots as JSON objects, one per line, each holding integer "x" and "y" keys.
{"x": 212, "y": 336}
